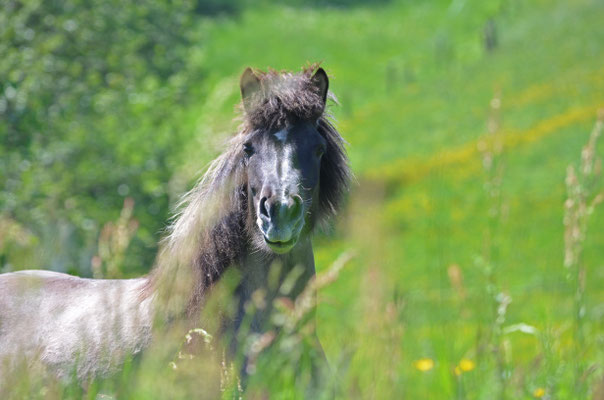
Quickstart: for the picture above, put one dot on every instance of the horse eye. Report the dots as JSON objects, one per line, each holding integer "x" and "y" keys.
{"x": 319, "y": 150}
{"x": 248, "y": 149}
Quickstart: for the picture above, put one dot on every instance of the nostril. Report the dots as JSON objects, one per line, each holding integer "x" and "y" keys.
{"x": 263, "y": 208}
{"x": 297, "y": 200}
{"x": 297, "y": 208}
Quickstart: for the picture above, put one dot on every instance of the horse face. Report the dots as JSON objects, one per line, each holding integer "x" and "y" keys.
{"x": 283, "y": 179}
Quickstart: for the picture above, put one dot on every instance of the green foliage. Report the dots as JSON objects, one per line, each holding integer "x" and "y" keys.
{"x": 89, "y": 106}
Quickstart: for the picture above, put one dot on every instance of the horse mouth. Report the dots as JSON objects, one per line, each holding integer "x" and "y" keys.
{"x": 281, "y": 247}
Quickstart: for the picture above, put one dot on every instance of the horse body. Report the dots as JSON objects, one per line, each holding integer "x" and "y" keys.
{"x": 75, "y": 326}
{"x": 257, "y": 206}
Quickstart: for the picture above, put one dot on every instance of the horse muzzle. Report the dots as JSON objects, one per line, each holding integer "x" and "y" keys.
{"x": 281, "y": 221}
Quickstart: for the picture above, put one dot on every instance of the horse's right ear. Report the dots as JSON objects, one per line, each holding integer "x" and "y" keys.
{"x": 249, "y": 85}
{"x": 321, "y": 81}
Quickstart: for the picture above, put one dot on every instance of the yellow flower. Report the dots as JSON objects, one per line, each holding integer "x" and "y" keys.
{"x": 424, "y": 364}
{"x": 539, "y": 392}
{"x": 466, "y": 365}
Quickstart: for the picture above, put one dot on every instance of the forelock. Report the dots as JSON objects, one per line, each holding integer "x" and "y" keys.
{"x": 284, "y": 98}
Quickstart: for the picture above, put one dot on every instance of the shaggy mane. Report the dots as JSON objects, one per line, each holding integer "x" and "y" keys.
{"x": 284, "y": 98}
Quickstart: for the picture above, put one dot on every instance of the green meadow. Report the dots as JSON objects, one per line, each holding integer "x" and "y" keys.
{"x": 461, "y": 119}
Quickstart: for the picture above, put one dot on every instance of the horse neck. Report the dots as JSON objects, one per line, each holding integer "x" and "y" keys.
{"x": 255, "y": 269}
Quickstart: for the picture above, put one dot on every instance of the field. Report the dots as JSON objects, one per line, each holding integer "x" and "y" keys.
{"x": 462, "y": 119}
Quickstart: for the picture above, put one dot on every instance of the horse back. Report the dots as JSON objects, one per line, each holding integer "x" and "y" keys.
{"x": 71, "y": 324}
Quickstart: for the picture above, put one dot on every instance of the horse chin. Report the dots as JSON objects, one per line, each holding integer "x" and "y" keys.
{"x": 281, "y": 247}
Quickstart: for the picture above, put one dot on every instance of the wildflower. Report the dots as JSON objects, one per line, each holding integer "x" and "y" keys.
{"x": 464, "y": 365}
{"x": 424, "y": 364}
{"x": 539, "y": 392}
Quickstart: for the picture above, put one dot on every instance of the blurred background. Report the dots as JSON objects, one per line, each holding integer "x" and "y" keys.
{"x": 478, "y": 268}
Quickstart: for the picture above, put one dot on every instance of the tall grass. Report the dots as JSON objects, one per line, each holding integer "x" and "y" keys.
{"x": 491, "y": 149}
{"x": 583, "y": 184}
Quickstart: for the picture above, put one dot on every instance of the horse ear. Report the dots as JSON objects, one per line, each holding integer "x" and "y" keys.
{"x": 320, "y": 80}
{"x": 249, "y": 85}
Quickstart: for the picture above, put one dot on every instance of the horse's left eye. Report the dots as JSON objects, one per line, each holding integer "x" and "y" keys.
{"x": 319, "y": 150}
{"x": 248, "y": 149}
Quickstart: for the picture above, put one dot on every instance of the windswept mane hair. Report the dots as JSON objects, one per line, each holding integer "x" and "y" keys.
{"x": 210, "y": 230}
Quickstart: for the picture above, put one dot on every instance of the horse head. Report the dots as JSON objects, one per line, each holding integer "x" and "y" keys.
{"x": 283, "y": 156}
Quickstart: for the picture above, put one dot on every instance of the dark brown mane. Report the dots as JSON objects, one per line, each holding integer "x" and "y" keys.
{"x": 284, "y": 97}
{"x": 210, "y": 231}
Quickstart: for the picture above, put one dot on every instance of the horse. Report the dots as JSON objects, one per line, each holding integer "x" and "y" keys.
{"x": 284, "y": 173}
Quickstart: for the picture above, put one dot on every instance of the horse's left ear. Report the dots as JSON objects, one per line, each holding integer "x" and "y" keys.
{"x": 320, "y": 80}
{"x": 249, "y": 84}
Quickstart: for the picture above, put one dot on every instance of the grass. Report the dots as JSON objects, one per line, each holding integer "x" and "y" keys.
{"x": 415, "y": 84}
